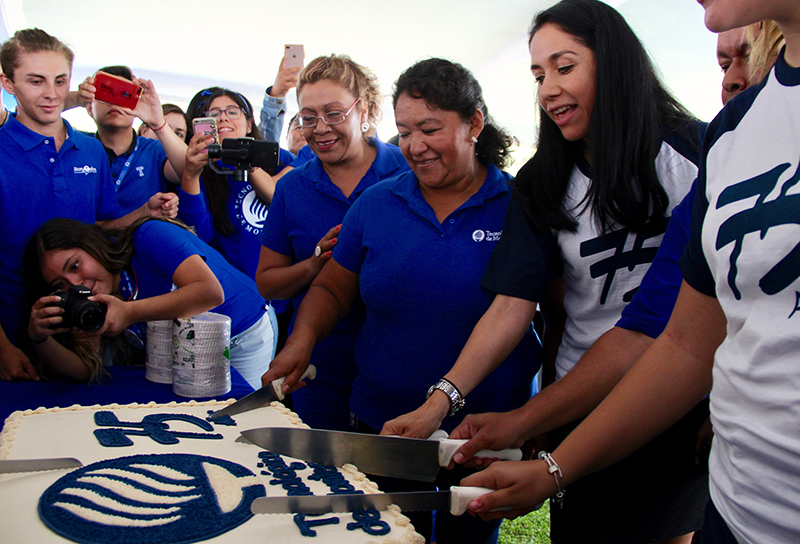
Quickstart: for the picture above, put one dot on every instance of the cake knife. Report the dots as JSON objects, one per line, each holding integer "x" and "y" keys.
{"x": 394, "y": 456}
{"x": 456, "y": 501}
{"x": 8, "y": 466}
{"x": 267, "y": 394}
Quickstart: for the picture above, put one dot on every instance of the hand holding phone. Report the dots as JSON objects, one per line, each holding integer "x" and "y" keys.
{"x": 205, "y": 125}
{"x": 116, "y": 90}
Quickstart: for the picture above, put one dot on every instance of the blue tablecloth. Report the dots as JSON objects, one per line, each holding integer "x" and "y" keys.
{"x": 125, "y": 385}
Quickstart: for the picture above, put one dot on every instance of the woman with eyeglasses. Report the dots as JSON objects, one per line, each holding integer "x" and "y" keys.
{"x": 339, "y": 105}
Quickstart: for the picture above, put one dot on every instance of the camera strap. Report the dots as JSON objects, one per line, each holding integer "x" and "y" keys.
{"x": 126, "y": 166}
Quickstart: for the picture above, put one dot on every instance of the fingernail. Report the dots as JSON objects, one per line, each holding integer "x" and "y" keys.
{"x": 458, "y": 458}
{"x": 475, "y": 505}
{"x": 335, "y": 240}
{"x": 338, "y": 228}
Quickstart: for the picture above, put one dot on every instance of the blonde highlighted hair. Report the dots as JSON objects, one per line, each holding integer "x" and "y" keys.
{"x": 766, "y": 41}
{"x": 356, "y": 79}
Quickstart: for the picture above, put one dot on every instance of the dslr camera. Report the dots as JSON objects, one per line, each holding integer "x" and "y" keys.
{"x": 242, "y": 154}
{"x": 80, "y": 312}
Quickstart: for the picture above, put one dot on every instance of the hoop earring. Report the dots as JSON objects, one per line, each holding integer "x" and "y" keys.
{"x": 364, "y": 127}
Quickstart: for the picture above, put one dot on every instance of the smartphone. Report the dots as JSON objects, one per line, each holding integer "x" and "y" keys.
{"x": 205, "y": 125}
{"x": 294, "y": 56}
{"x": 116, "y": 90}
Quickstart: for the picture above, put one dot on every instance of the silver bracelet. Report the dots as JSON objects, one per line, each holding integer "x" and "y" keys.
{"x": 448, "y": 388}
{"x": 555, "y": 470}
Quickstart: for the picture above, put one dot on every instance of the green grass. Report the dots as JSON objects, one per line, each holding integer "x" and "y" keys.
{"x": 531, "y": 529}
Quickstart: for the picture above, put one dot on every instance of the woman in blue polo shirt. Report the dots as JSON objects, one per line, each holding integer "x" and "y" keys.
{"x": 414, "y": 247}
{"x": 152, "y": 270}
{"x": 339, "y": 107}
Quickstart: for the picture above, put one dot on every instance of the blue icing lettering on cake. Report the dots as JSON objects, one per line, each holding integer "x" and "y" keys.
{"x": 153, "y": 425}
{"x": 168, "y": 498}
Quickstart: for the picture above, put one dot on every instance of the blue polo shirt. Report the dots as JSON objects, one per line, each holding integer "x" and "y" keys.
{"x": 138, "y": 173}
{"x": 247, "y": 213}
{"x": 161, "y": 247}
{"x": 421, "y": 284}
{"x": 38, "y": 183}
{"x": 305, "y": 207}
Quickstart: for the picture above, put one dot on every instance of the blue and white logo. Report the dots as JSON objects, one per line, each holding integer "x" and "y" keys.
{"x": 84, "y": 170}
{"x": 167, "y": 498}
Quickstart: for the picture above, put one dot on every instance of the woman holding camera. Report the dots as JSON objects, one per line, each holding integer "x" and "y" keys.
{"x": 339, "y": 105}
{"x": 154, "y": 269}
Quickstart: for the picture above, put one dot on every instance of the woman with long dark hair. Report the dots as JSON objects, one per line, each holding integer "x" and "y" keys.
{"x": 155, "y": 269}
{"x": 616, "y": 152}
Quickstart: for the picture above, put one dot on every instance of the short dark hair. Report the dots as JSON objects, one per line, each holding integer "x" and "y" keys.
{"x": 30, "y": 40}
{"x": 447, "y": 85}
{"x": 631, "y": 111}
{"x": 119, "y": 71}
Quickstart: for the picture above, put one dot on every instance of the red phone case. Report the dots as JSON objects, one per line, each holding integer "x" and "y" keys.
{"x": 116, "y": 90}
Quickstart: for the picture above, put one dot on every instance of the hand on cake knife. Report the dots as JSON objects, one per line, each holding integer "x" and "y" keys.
{"x": 267, "y": 394}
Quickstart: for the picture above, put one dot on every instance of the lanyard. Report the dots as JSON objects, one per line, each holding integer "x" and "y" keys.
{"x": 128, "y": 286}
{"x": 127, "y": 166}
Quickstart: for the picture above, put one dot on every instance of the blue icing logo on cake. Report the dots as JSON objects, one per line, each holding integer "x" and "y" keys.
{"x": 168, "y": 499}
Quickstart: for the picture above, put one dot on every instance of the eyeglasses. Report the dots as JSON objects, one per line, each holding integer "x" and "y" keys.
{"x": 329, "y": 118}
{"x": 231, "y": 112}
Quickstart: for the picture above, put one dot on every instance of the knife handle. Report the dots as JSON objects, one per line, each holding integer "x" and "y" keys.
{"x": 461, "y": 496}
{"x": 449, "y": 446}
{"x": 277, "y": 384}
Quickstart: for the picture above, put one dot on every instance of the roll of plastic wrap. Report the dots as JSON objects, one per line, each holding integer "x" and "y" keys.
{"x": 201, "y": 361}
{"x": 158, "y": 351}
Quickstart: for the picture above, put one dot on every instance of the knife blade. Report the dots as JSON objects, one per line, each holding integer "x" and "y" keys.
{"x": 267, "y": 394}
{"x": 456, "y": 501}
{"x": 8, "y": 466}
{"x": 393, "y": 456}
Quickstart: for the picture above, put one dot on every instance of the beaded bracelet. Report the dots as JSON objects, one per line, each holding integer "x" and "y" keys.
{"x": 555, "y": 470}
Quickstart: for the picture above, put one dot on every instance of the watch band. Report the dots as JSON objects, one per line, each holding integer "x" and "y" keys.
{"x": 448, "y": 388}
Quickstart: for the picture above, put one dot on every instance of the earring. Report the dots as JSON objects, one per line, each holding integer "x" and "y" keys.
{"x": 364, "y": 127}
{"x": 474, "y": 140}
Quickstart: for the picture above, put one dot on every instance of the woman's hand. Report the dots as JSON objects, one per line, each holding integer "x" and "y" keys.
{"x": 489, "y": 431}
{"x": 197, "y": 155}
{"x": 44, "y": 316}
{"x": 117, "y": 316}
{"x": 520, "y": 485}
{"x": 148, "y": 109}
{"x": 325, "y": 246}
{"x": 422, "y": 422}
{"x": 291, "y": 362}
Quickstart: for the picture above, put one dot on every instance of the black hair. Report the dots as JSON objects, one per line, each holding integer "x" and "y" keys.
{"x": 631, "y": 112}
{"x": 217, "y": 187}
{"x": 119, "y": 71}
{"x": 447, "y": 85}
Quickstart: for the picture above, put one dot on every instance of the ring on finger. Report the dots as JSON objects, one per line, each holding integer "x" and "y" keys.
{"x": 318, "y": 251}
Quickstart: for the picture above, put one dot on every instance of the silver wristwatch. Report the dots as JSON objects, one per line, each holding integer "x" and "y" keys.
{"x": 456, "y": 398}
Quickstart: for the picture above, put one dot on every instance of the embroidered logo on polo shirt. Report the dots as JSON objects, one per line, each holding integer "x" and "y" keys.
{"x": 487, "y": 235}
{"x": 140, "y": 169}
{"x": 84, "y": 170}
{"x": 251, "y": 210}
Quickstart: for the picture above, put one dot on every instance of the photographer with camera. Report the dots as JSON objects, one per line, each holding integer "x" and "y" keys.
{"x": 132, "y": 273}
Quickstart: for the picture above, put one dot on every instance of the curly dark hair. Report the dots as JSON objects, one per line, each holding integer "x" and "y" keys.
{"x": 449, "y": 86}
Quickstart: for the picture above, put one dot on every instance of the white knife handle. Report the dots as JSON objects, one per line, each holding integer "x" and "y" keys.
{"x": 449, "y": 446}
{"x": 461, "y": 496}
{"x": 277, "y": 384}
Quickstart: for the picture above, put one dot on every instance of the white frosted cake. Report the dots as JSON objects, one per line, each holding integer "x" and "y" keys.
{"x": 166, "y": 474}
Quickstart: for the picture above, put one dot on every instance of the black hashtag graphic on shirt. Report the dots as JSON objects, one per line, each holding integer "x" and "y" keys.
{"x": 621, "y": 259}
{"x": 783, "y": 210}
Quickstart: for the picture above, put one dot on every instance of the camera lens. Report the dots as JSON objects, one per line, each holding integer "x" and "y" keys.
{"x": 91, "y": 318}
{"x": 126, "y": 94}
